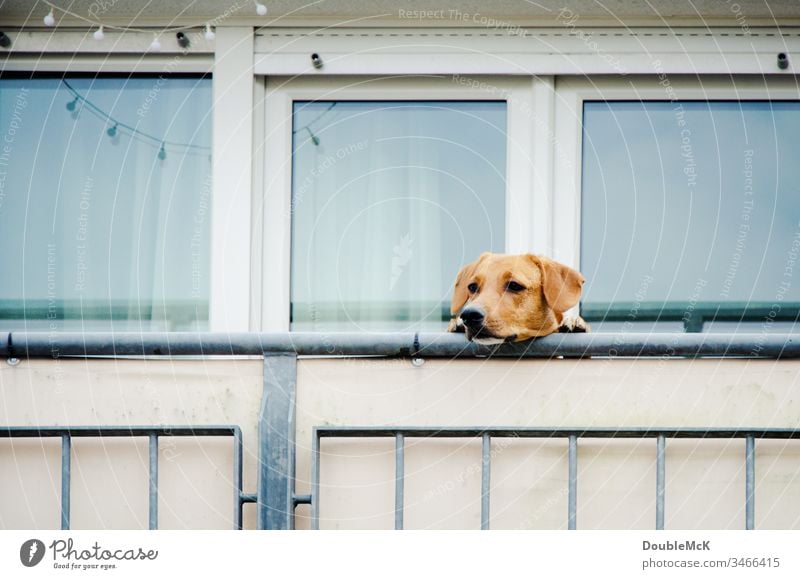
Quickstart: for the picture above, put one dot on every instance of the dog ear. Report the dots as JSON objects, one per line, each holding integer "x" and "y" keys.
{"x": 460, "y": 292}
{"x": 561, "y": 284}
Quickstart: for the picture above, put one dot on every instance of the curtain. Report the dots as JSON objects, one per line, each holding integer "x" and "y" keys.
{"x": 103, "y": 217}
{"x": 389, "y": 200}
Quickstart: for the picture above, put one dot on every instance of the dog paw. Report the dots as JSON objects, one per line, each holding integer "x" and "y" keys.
{"x": 574, "y": 325}
{"x": 455, "y": 325}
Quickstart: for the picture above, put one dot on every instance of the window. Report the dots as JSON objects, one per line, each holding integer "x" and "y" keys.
{"x": 105, "y": 187}
{"x": 389, "y": 199}
{"x": 690, "y": 211}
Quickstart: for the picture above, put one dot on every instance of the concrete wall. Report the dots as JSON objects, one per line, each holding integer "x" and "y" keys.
{"x": 616, "y": 488}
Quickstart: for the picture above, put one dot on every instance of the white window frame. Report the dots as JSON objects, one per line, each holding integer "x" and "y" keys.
{"x": 229, "y": 59}
{"x": 528, "y": 176}
{"x": 572, "y": 92}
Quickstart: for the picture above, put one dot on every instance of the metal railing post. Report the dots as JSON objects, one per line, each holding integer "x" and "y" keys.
{"x": 750, "y": 483}
{"x": 66, "y": 475}
{"x": 276, "y": 439}
{"x": 572, "y": 493}
{"x": 660, "y": 480}
{"x": 486, "y": 480}
{"x": 399, "y": 480}
{"x": 153, "y": 480}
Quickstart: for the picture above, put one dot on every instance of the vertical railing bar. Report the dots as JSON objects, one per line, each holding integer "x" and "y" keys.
{"x": 237, "y": 479}
{"x": 315, "y": 444}
{"x": 153, "y": 518}
{"x": 486, "y": 480}
{"x": 291, "y": 438}
{"x": 750, "y": 482}
{"x": 399, "y": 480}
{"x": 276, "y": 442}
{"x": 66, "y": 474}
{"x": 572, "y": 501}
{"x": 660, "y": 480}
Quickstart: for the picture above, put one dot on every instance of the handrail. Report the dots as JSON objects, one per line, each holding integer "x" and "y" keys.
{"x": 427, "y": 345}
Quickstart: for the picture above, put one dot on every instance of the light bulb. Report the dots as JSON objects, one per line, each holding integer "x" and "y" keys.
{"x": 72, "y": 104}
{"x": 50, "y": 19}
{"x": 155, "y": 46}
{"x": 209, "y": 33}
{"x": 162, "y": 153}
{"x": 314, "y": 138}
{"x": 99, "y": 34}
{"x": 261, "y": 10}
{"x": 112, "y": 131}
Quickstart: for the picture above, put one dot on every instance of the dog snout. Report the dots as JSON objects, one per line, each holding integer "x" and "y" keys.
{"x": 473, "y": 317}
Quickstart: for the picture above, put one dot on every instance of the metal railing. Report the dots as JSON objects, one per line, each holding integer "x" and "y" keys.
{"x": 400, "y": 434}
{"x": 153, "y": 433}
{"x": 425, "y": 344}
{"x": 276, "y": 497}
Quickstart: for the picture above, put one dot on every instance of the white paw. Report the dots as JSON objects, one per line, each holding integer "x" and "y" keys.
{"x": 574, "y": 325}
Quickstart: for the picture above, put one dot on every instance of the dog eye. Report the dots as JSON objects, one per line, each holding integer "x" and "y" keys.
{"x": 513, "y": 286}
{"x": 473, "y": 287}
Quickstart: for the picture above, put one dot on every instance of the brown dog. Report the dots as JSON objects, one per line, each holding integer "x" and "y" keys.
{"x": 509, "y": 298}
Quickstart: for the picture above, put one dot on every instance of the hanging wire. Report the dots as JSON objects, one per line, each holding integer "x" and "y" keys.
{"x": 307, "y": 127}
{"x": 158, "y": 142}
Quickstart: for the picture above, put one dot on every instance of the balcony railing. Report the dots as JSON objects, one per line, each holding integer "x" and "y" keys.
{"x": 277, "y": 497}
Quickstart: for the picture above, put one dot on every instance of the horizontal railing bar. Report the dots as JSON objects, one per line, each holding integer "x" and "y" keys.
{"x": 111, "y": 431}
{"x": 522, "y": 432}
{"x": 301, "y": 499}
{"x": 248, "y": 497}
{"x": 425, "y": 344}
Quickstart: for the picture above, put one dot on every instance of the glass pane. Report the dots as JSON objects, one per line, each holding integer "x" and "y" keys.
{"x": 104, "y": 203}
{"x": 691, "y": 209}
{"x": 389, "y": 200}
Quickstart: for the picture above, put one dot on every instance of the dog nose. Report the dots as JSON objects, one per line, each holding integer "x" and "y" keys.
{"x": 472, "y": 317}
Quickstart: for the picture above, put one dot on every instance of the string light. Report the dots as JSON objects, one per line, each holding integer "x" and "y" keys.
{"x": 99, "y": 34}
{"x": 314, "y": 138}
{"x": 136, "y": 134}
{"x": 307, "y": 127}
{"x": 155, "y": 46}
{"x": 261, "y": 10}
{"x": 94, "y": 23}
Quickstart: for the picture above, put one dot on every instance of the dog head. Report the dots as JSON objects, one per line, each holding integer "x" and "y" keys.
{"x": 510, "y": 298}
